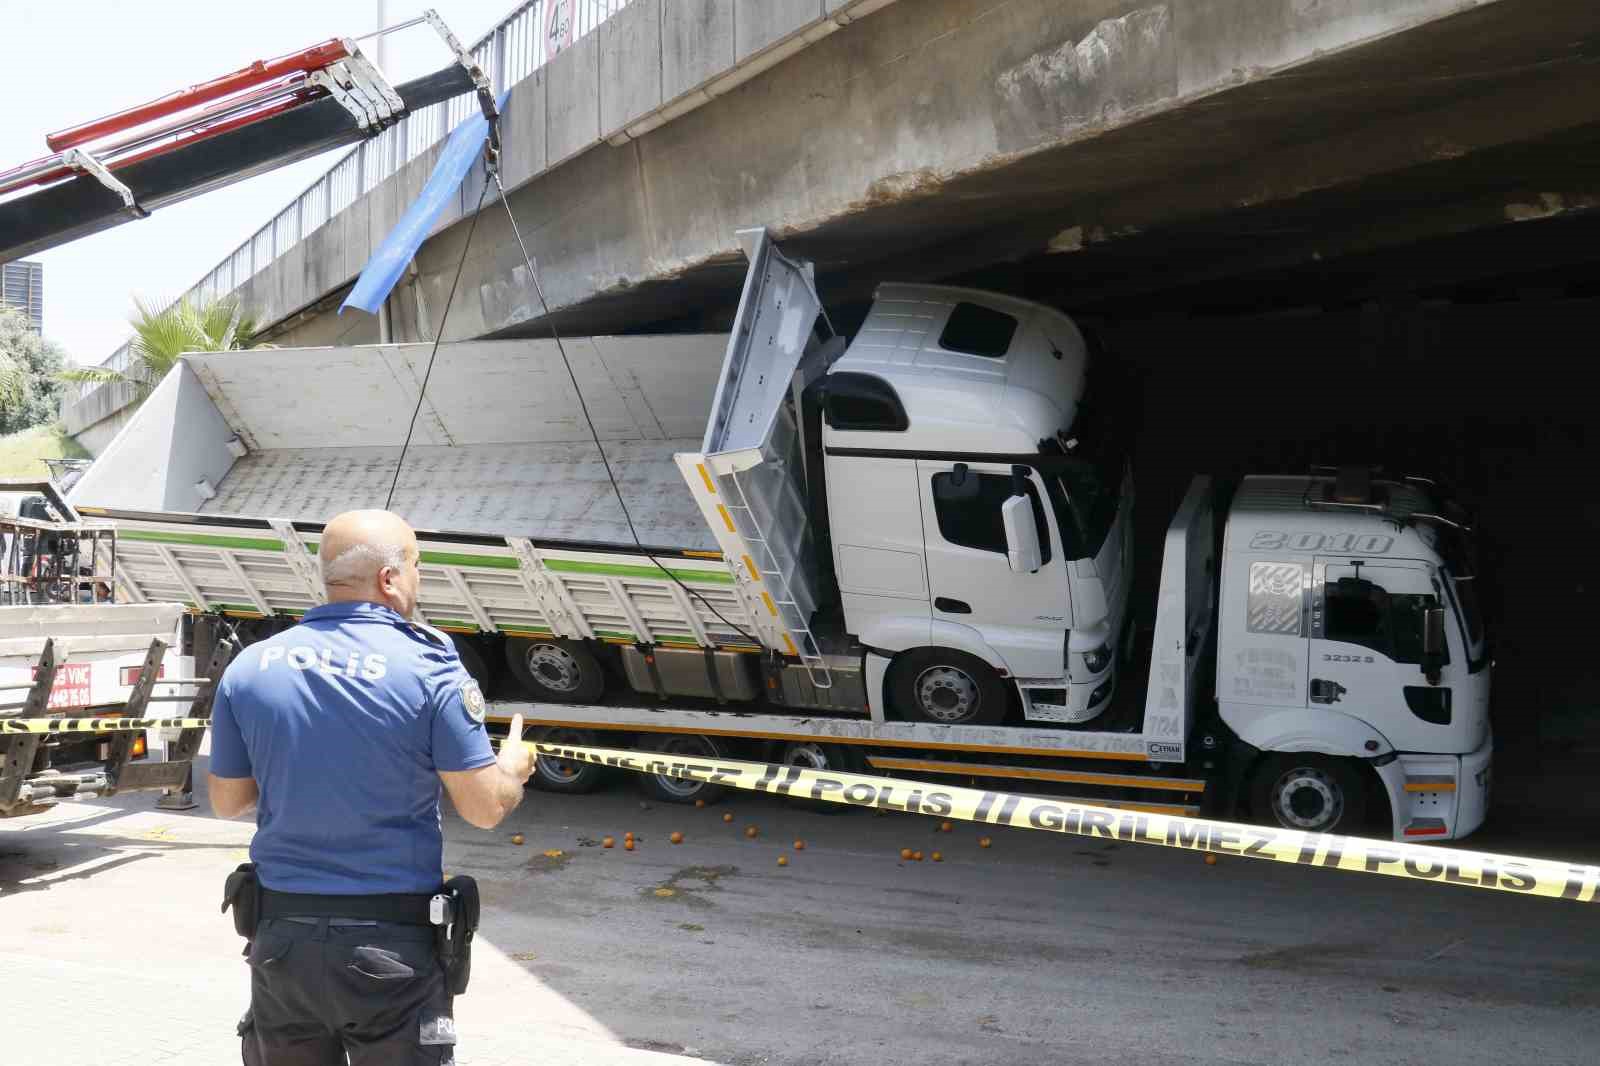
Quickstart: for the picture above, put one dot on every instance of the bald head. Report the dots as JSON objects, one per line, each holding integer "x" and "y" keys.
{"x": 370, "y": 556}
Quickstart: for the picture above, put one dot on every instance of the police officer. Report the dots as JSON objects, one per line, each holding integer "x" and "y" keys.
{"x": 339, "y": 731}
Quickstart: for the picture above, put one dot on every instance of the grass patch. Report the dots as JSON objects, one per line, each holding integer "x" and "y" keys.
{"x": 22, "y": 454}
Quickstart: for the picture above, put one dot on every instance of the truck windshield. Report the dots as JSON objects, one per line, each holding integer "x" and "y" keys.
{"x": 1086, "y": 468}
{"x": 1464, "y": 591}
{"x": 1459, "y": 555}
{"x": 1090, "y": 494}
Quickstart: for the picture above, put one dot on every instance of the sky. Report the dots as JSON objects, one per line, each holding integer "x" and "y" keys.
{"x": 81, "y": 59}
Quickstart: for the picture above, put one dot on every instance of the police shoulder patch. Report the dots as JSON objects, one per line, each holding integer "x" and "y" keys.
{"x": 433, "y": 636}
{"x": 472, "y": 699}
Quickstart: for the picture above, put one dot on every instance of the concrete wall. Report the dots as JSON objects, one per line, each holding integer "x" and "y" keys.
{"x": 101, "y": 403}
{"x": 96, "y": 437}
{"x": 177, "y": 437}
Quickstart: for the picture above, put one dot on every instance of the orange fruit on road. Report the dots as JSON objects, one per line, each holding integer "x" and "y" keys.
{"x": 916, "y": 856}
{"x": 727, "y": 817}
{"x": 627, "y": 845}
{"x": 984, "y": 842}
{"x": 1211, "y": 860}
{"x": 937, "y": 856}
{"x": 905, "y": 853}
{"x": 676, "y": 838}
{"x": 783, "y": 860}
{"x": 751, "y": 832}
{"x": 516, "y": 838}
{"x": 799, "y": 845}
{"x": 945, "y": 827}
{"x": 699, "y": 803}
{"x": 608, "y": 842}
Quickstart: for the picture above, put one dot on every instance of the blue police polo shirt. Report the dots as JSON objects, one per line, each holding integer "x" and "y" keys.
{"x": 344, "y": 721}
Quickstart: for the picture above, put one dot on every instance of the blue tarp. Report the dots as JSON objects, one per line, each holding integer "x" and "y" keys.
{"x": 383, "y": 270}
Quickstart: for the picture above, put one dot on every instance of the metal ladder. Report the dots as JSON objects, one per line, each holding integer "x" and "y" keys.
{"x": 783, "y": 605}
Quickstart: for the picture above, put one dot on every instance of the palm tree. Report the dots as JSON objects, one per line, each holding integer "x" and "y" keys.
{"x": 161, "y": 337}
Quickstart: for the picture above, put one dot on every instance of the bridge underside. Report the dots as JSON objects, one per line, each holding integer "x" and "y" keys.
{"x": 1111, "y": 166}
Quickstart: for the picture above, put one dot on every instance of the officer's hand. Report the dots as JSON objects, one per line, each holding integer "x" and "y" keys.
{"x": 516, "y": 758}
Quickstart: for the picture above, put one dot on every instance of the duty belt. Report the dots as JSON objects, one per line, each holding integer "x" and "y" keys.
{"x": 402, "y": 909}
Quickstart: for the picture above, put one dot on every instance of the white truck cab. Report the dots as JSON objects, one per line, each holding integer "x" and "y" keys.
{"x": 948, "y": 404}
{"x": 1350, "y": 629}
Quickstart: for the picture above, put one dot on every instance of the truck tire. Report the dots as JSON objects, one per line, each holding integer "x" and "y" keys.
{"x": 560, "y": 671}
{"x": 472, "y": 659}
{"x": 810, "y": 755}
{"x": 1309, "y": 792}
{"x": 682, "y": 789}
{"x": 566, "y": 775}
{"x": 947, "y": 687}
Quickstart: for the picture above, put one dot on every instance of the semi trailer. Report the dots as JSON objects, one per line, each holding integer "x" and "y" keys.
{"x": 908, "y": 551}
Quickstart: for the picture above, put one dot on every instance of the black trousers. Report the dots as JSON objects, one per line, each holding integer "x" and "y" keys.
{"x": 322, "y": 989}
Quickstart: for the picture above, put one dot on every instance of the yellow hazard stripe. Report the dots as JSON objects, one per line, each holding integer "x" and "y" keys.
{"x": 98, "y": 725}
{"x": 1416, "y": 862}
{"x": 1035, "y": 773}
{"x": 761, "y": 734}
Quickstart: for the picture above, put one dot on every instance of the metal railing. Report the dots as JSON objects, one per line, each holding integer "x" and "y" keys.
{"x": 519, "y": 44}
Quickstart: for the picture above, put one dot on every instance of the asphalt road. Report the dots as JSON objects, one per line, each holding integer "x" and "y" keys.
{"x": 1039, "y": 949}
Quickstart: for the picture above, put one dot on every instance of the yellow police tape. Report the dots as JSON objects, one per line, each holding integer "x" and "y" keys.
{"x": 1417, "y": 862}
{"x": 1454, "y": 866}
{"x": 98, "y": 725}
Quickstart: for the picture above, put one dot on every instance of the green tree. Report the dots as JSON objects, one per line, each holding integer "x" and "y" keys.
{"x": 161, "y": 337}
{"x": 30, "y": 369}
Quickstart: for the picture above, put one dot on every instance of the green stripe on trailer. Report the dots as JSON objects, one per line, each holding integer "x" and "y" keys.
{"x": 439, "y": 558}
{"x": 208, "y": 540}
{"x": 573, "y": 566}
{"x": 492, "y": 562}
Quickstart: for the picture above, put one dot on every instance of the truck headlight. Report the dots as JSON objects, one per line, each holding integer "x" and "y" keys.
{"x": 1097, "y": 660}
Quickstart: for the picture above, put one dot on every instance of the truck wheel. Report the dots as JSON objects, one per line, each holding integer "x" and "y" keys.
{"x": 566, "y": 775}
{"x": 946, "y": 686}
{"x": 809, "y": 755}
{"x": 562, "y": 671}
{"x": 1312, "y": 793}
{"x": 683, "y": 789}
{"x": 472, "y": 659}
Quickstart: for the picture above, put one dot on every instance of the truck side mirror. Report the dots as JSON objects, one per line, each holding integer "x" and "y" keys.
{"x": 1433, "y": 645}
{"x": 1022, "y": 536}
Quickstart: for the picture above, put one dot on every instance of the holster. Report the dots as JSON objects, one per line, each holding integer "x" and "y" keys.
{"x": 242, "y": 892}
{"x": 455, "y": 938}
